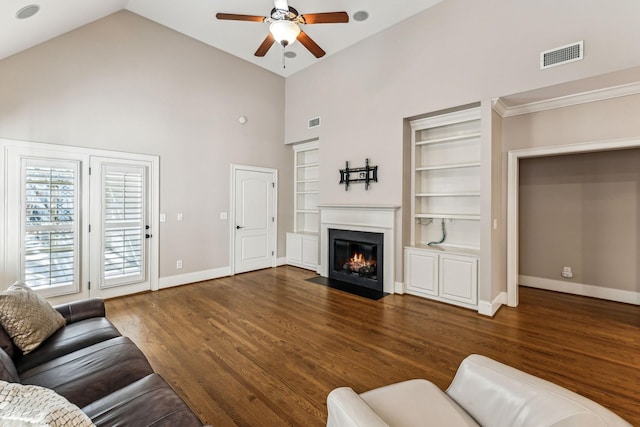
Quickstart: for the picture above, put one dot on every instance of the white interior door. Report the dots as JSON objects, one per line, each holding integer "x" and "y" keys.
{"x": 254, "y": 218}
{"x": 120, "y": 231}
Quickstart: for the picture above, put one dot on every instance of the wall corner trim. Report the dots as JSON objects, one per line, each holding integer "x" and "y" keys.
{"x": 487, "y": 308}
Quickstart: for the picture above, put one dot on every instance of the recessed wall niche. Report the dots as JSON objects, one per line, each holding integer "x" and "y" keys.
{"x": 580, "y": 211}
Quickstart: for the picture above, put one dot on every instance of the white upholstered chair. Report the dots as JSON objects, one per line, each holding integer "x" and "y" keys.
{"x": 483, "y": 393}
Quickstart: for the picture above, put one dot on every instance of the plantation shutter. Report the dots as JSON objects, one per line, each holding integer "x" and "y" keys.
{"x": 50, "y": 232}
{"x": 123, "y": 221}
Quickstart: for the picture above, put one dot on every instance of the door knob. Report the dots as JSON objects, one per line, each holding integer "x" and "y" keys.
{"x": 238, "y": 227}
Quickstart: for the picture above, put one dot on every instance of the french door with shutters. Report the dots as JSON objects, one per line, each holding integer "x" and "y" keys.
{"x": 76, "y": 222}
{"x": 119, "y": 227}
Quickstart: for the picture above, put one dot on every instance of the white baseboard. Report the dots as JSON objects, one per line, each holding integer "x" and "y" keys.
{"x": 490, "y": 308}
{"x": 618, "y": 295}
{"x": 399, "y": 288}
{"x": 196, "y": 276}
{"x": 281, "y": 261}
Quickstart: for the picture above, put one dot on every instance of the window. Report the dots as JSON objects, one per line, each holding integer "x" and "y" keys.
{"x": 50, "y": 223}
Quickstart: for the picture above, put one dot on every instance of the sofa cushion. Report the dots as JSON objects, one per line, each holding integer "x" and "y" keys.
{"x": 8, "y": 370}
{"x": 6, "y": 343}
{"x": 93, "y": 372}
{"x": 31, "y": 405}
{"x": 73, "y": 337}
{"x": 149, "y": 401}
{"x": 422, "y": 403}
{"x": 27, "y": 318}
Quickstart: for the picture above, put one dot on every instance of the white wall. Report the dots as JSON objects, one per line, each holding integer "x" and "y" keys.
{"x": 457, "y": 53}
{"x": 125, "y": 83}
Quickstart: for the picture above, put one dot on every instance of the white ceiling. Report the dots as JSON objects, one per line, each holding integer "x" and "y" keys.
{"x": 196, "y": 18}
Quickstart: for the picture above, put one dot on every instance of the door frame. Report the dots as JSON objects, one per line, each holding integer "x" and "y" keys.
{"x": 232, "y": 212}
{"x": 513, "y": 191}
{"x": 9, "y": 146}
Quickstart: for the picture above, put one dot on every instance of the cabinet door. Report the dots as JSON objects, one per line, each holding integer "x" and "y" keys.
{"x": 310, "y": 251}
{"x": 421, "y": 272}
{"x": 459, "y": 278}
{"x": 294, "y": 249}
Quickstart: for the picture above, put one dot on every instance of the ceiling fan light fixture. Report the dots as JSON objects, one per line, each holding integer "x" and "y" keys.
{"x": 284, "y": 32}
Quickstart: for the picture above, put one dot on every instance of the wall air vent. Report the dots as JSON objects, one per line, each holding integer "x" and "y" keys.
{"x": 562, "y": 55}
{"x": 314, "y": 123}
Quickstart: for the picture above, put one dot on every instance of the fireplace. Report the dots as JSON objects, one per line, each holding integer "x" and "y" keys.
{"x": 379, "y": 219}
{"x": 356, "y": 257}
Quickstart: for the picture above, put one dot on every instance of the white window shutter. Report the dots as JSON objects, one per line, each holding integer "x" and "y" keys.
{"x": 50, "y": 249}
{"x": 123, "y": 220}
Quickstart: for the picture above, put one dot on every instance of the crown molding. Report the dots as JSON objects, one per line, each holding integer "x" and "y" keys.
{"x": 566, "y": 101}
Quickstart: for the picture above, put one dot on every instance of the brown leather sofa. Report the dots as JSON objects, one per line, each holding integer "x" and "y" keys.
{"x": 89, "y": 363}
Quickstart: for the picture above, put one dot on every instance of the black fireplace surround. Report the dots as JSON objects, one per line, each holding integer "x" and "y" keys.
{"x": 356, "y": 257}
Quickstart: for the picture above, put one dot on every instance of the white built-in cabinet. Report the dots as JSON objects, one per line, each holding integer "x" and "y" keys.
{"x": 445, "y": 187}
{"x": 302, "y": 243}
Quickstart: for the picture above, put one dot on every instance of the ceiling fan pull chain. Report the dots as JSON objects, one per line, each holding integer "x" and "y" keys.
{"x": 284, "y": 65}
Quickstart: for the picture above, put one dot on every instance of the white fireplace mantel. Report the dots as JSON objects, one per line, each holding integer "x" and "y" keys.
{"x": 371, "y": 218}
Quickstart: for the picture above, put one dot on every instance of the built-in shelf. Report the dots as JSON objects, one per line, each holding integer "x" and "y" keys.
{"x": 448, "y": 139}
{"x": 448, "y": 166}
{"x": 448, "y": 216}
{"x": 302, "y": 243}
{"x": 471, "y": 194}
{"x": 308, "y": 165}
{"x": 445, "y": 185}
{"x": 451, "y": 249}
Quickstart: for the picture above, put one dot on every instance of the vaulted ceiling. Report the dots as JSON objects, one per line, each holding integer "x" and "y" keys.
{"x": 196, "y": 18}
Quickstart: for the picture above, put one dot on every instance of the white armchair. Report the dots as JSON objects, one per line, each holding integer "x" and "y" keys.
{"x": 483, "y": 393}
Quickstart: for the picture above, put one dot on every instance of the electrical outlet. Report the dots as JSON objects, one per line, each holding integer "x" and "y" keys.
{"x": 179, "y": 217}
{"x": 179, "y": 263}
{"x": 566, "y": 272}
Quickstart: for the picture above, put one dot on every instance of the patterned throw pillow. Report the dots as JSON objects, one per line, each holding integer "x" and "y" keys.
{"x": 32, "y": 405}
{"x": 27, "y": 318}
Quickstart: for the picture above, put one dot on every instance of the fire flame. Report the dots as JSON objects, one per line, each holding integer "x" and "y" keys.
{"x": 357, "y": 262}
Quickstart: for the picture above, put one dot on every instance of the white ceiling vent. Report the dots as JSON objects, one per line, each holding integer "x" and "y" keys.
{"x": 562, "y": 55}
{"x": 314, "y": 123}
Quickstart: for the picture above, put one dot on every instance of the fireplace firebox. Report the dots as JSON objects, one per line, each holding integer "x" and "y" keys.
{"x": 356, "y": 257}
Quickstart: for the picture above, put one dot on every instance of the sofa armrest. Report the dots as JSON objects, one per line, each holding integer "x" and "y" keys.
{"x": 346, "y": 408}
{"x": 81, "y": 310}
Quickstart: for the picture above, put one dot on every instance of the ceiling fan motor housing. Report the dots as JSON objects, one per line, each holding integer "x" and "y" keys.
{"x": 284, "y": 15}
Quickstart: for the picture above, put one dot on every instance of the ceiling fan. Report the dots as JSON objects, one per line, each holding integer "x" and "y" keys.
{"x": 285, "y": 26}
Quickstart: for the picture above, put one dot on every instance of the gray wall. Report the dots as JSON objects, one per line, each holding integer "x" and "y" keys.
{"x": 125, "y": 83}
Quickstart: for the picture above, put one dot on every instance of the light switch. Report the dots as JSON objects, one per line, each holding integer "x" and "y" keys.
{"x": 163, "y": 217}
{"x": 223, "y": 215}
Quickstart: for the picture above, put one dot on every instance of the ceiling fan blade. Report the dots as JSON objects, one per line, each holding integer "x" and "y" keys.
{"x": 236, "y": 17}
{"x": 265, "y": 46}
{"x": 310, "y": 45}
{"x": 325, "y": 18}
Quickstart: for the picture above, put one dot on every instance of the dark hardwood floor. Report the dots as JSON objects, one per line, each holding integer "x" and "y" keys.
{"x": 265, "y": 348}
